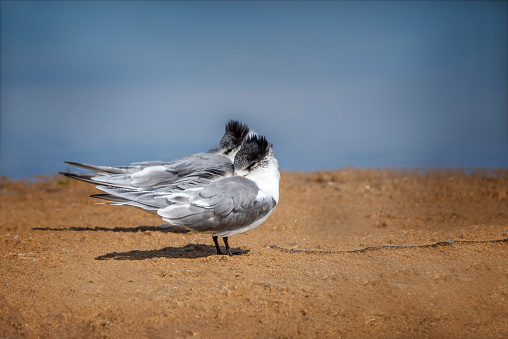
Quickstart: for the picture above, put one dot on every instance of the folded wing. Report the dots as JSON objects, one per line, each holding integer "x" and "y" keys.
{"x": 148, "y": 176}
{"x": 223, "y": 206}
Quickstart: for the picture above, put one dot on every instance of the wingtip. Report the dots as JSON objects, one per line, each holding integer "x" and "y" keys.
{"x": 73, "y": 163}
{"x": 68, "y": 174}
{"x": 79, "y": 176}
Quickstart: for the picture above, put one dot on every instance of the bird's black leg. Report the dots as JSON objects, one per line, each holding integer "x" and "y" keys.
{"x": 217, "y": 244}
{"x": 228, "y": 250}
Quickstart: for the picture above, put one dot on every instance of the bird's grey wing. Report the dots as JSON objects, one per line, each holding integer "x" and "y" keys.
{"x": 224, "y": 205}
{"x": 122, "y": 176}
{"x": 180, "y": 164}
{"x": 156, "y": 199}
{"x": 143, "y": 164}
{"x": 144, "y": 179}
{"x": 189, "y": 162}
{"x": 147, "y": 200}
{"x": 155, "y": 177}
{"x": 200, "y": 178}
{"x": 148, "y": 175}
{"x": 194, "y": 162}
{"x": 106, "y": 170}
{"x": 116, "y": 180}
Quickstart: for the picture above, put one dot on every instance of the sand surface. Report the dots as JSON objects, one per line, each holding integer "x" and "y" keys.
{"x": 71, "y": 268}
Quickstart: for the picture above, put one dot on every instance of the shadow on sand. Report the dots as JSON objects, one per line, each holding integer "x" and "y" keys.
{"x": 165, "y": 229}
{"x": 190, "y": 251}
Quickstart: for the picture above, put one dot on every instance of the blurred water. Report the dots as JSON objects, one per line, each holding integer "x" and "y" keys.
{"x": 331, "y": 84}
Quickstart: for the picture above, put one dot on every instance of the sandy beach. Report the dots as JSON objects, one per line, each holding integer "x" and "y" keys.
{"x": 71, "y": 268}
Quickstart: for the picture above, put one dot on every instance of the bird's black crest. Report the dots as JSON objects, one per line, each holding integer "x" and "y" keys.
{"x": 236, "y": 133}
{"x": 254, "y": 150}
{"x": 237, "y": 129}
{"x": 258, "y": 146}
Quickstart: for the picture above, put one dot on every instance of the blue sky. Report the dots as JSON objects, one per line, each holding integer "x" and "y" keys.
{"x": 330, "y": 84}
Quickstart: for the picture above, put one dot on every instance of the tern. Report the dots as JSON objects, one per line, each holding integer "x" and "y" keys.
{"x": 221, "y": 199}
{"x": 151, "y": 175}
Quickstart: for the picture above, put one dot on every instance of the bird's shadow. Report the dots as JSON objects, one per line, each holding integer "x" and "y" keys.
{"x": 164, "y": 229}
{"x": 190, "y": 251}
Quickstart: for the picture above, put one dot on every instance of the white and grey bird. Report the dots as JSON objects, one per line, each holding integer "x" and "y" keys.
{"x": 152, "y": 175}
{"x": 222, "y": 199}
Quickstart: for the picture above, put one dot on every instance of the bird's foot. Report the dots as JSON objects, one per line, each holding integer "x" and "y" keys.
{"x": 228, "y": 249}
